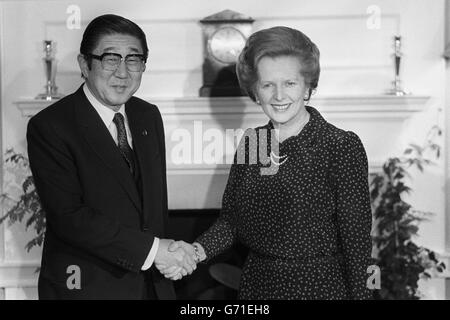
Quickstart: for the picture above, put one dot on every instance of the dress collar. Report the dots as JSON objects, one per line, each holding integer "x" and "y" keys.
{"x": 310, "y": 132}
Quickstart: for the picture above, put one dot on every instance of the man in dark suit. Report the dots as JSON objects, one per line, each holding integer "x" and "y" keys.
{"x": 98, "y": 162}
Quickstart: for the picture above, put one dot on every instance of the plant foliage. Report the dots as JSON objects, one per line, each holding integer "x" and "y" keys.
{"x": 402, "y": 262}
{"x": 27, "y": 207}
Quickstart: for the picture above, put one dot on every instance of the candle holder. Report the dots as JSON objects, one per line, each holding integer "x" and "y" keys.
{"x": 397, "y": 89}
{"x": 51, "y": 90}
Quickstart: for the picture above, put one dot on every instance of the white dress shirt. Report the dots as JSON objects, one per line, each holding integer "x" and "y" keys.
{"x": 107, "y": 115}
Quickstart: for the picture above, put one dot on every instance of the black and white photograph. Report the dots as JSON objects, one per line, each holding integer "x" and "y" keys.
{"x": 239, "y": 151}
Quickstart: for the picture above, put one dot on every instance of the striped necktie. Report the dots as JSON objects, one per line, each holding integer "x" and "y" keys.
{"x": 122, "y": 141}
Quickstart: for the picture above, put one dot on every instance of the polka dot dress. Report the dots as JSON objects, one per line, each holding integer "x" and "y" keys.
{"x": 307, "y": 221}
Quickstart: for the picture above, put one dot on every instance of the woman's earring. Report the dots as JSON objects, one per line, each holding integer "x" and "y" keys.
{"x": 308, "y": 95}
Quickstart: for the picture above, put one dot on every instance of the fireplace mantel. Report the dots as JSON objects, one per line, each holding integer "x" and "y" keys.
{"x": 197, "y": 185}
{"x": 369, "y": 104}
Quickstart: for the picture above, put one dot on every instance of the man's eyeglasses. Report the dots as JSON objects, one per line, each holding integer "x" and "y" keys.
{"x": 110, "y": 61}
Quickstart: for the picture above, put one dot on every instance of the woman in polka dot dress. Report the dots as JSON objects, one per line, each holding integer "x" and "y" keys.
{"x": 307, "y": 222}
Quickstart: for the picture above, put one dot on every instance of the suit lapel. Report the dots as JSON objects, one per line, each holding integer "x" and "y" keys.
{"x": 146, "y": 148}
{"x": 102, "y": 144}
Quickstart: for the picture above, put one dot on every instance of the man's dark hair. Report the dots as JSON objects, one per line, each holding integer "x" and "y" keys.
{"x": 109, "y": 24}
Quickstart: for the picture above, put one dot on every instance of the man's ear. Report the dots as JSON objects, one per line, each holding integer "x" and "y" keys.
{"x": 83, "y": 65}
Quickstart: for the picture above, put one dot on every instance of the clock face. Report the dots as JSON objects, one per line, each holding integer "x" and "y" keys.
{"x": 226, "y": 44}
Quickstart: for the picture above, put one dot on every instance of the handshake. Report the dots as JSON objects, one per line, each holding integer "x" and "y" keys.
{"x": 176, "y": 259}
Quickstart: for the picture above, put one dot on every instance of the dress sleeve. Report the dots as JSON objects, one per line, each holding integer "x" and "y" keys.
{"x": 222, "y": 234}
{"x": 354, "y": 215}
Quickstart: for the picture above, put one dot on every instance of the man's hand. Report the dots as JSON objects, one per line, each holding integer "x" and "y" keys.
{"x": 174, "y": 264}
{"x": 189, "y": 249}
{"x": 198, "y": 255}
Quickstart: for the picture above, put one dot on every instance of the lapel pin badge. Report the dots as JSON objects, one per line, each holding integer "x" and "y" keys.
{"x": 144, "y": 133}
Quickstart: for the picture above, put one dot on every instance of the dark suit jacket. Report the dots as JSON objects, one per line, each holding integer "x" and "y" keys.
{"x": 96, "y": 219}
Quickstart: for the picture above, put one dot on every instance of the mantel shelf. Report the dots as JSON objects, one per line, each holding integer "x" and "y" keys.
{"x": 401, "y": 105}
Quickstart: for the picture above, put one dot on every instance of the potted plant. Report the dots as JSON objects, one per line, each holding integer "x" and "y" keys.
{"x": 402, "y": 262}
{"x": 27, "y": 206}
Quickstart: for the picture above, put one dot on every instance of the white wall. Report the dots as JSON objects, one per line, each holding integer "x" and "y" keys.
{"x": 355, "y": 60}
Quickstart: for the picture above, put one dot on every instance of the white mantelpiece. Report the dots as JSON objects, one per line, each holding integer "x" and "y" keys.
{"x": 400, "y": 105}
{"x": 196, "y": 185}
